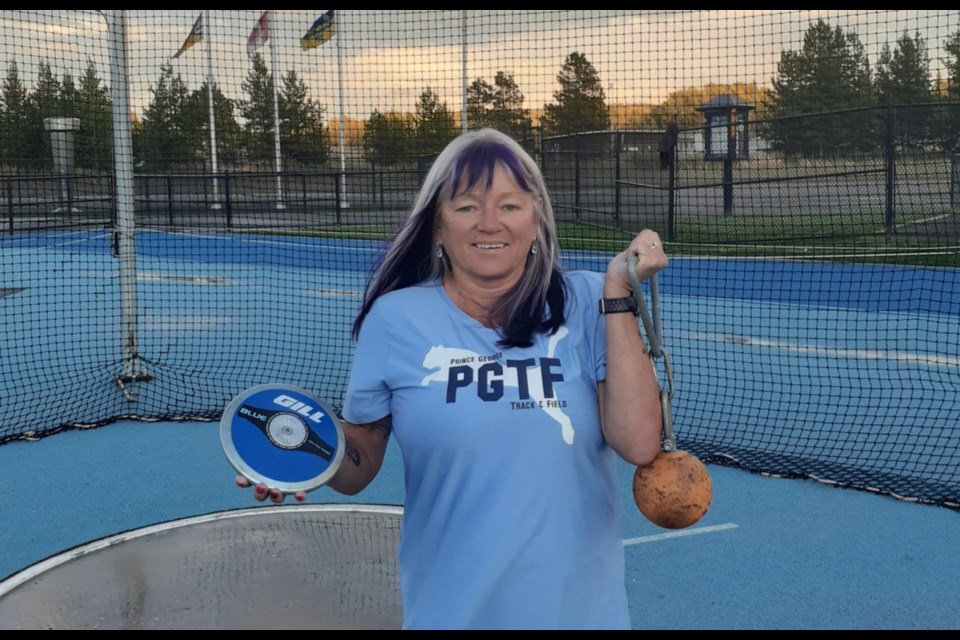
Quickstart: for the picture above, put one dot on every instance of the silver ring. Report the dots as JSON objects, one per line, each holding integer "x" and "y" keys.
{"x": 653, "y": 245}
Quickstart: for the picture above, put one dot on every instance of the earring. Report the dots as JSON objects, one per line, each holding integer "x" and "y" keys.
{"x": 534, "y": 248}
{"x": 439, "y": 250}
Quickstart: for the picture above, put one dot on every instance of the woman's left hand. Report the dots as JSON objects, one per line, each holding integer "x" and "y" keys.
{"x": 261, "y": 492}
{"x": 650, "y": 259}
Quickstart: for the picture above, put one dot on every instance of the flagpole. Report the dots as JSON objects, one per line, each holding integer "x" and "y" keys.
{"x": 464, "y": 125}
{"x": 208, "y": 37}
{"x": 343, "y": 160}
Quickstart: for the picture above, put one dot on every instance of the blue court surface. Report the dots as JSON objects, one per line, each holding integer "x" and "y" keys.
{"x": 770, "y": 554}
{"x": 859, "y": 373}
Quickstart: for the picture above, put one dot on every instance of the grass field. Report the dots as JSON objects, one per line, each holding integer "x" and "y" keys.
{"x": 846, "y": 238}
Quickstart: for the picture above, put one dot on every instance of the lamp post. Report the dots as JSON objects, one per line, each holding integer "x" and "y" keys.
{"x": 726, "y": 138}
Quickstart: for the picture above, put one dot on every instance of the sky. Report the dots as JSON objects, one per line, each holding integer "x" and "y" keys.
{"x": 386, "y": 59}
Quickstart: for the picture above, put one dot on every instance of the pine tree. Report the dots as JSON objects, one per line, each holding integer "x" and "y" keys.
{"x": 196, "y": 124}
{"x": 257, "y": 113}
{"x": 46, "y": 101}
{"x": 508, "y": 114}
{"x": 830, "y": 73}
{"x": 903, "y": 78}
{"x": 21, "y": 130}
{"x": 435, "y": 126}
{"x": 162, "y": 142}
{"x": 479, "y": 104}
{"x": 952, "y": 110}
{"x": 94, "y": 140}
{"x": 580, "y": 104}
{"x": 303, "y": 138}
{"x": 69, "y": 97}
{"x": 389, "y": 138}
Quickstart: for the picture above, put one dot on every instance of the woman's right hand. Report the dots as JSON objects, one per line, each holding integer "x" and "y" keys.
{"x": 261, "y": 492}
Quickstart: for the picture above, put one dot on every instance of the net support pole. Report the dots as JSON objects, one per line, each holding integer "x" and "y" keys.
{"x": 125, "y": 229}
{"x": 211, "y": 86}
{"x": 464, "y": 125}
{"x": 276, "y": 115}
{"x": 342, "y": 200}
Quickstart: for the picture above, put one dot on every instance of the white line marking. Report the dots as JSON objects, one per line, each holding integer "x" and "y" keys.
{"x": 295, "y": 241}
{"x": 79, "y": 240}
{"x": 806, "y": 254}
{"x": 186, "y": 324}
{"x": 14, "y": 243}
{"x": 335, "y": 293}
{"x": 923, "y": 220}
{"x": 202, "y": 280}
{"x": 679, "y": 534}
{"x": 859, "y": 354}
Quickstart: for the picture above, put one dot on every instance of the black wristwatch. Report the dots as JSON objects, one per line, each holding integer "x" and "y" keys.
{"x": 618, "y": 305}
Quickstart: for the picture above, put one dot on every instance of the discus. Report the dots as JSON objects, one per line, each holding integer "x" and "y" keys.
{"x": 674, "y": 491}
{"x": 283, "y": 437}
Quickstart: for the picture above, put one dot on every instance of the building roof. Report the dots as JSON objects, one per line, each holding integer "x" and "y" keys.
{"x": 725, "y": 102}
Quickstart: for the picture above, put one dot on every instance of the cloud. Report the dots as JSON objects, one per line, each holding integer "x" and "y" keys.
{"x": 388, "y": 58}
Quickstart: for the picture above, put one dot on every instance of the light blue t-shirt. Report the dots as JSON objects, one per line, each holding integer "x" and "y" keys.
{"x": 512, "y": 516}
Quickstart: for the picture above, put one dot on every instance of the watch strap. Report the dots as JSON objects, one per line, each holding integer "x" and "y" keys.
{"x": 618, "y": 305}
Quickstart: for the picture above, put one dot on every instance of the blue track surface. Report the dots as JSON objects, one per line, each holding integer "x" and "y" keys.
{"x": 862, "y": 286}
{"x": 770, "y": 554}
{"x": 855, "y": 364}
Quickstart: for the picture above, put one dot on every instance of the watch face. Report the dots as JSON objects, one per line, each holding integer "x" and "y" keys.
{"x": 282, "y": 436}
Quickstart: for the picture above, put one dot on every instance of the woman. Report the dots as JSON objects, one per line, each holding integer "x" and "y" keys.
{"x": 509, "y": 393}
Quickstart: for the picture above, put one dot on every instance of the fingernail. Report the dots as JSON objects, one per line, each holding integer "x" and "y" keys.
{"x": 301, "y": 498}
{"x": 261, "y": 491}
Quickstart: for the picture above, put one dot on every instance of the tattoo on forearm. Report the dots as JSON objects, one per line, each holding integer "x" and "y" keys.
{"x": 353, "y": 454}
{"x": 383, "y": 426}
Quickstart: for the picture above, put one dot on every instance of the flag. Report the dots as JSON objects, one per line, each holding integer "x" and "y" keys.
{"x": 196, "y": 35}
{"x": 260, "y": 34}
{"x": 322, "y": 30}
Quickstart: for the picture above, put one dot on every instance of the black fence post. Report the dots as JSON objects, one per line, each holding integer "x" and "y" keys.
{"x": 19, "y": 190}
{"x": 618, "y": 147}
{"x": 9, "y": 184}
{"x": 146, "y": 196}
{"x": 112, "y": 186}
{"x": 303, "y": 190}
{"x": 115, "y": 232}
{"x": 383, "y": 197}
{"x": 421, "y": 170}
{"x": 728, "y": 167}
{"x": 671, "y": 195}
{"x": 372, "y": 186}
{"x": 336, "y": 194}
{"x": 170, "y": 199}
{"x": 69, "y": 182}
{"x": 954, "y": 179}
{"x": 227, "y": 204}
{"x": 889, "y": 152}
{"x": 576, "y": 184}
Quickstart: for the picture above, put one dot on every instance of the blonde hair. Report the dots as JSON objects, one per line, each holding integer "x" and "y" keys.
{"x": 467, "y": 162}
